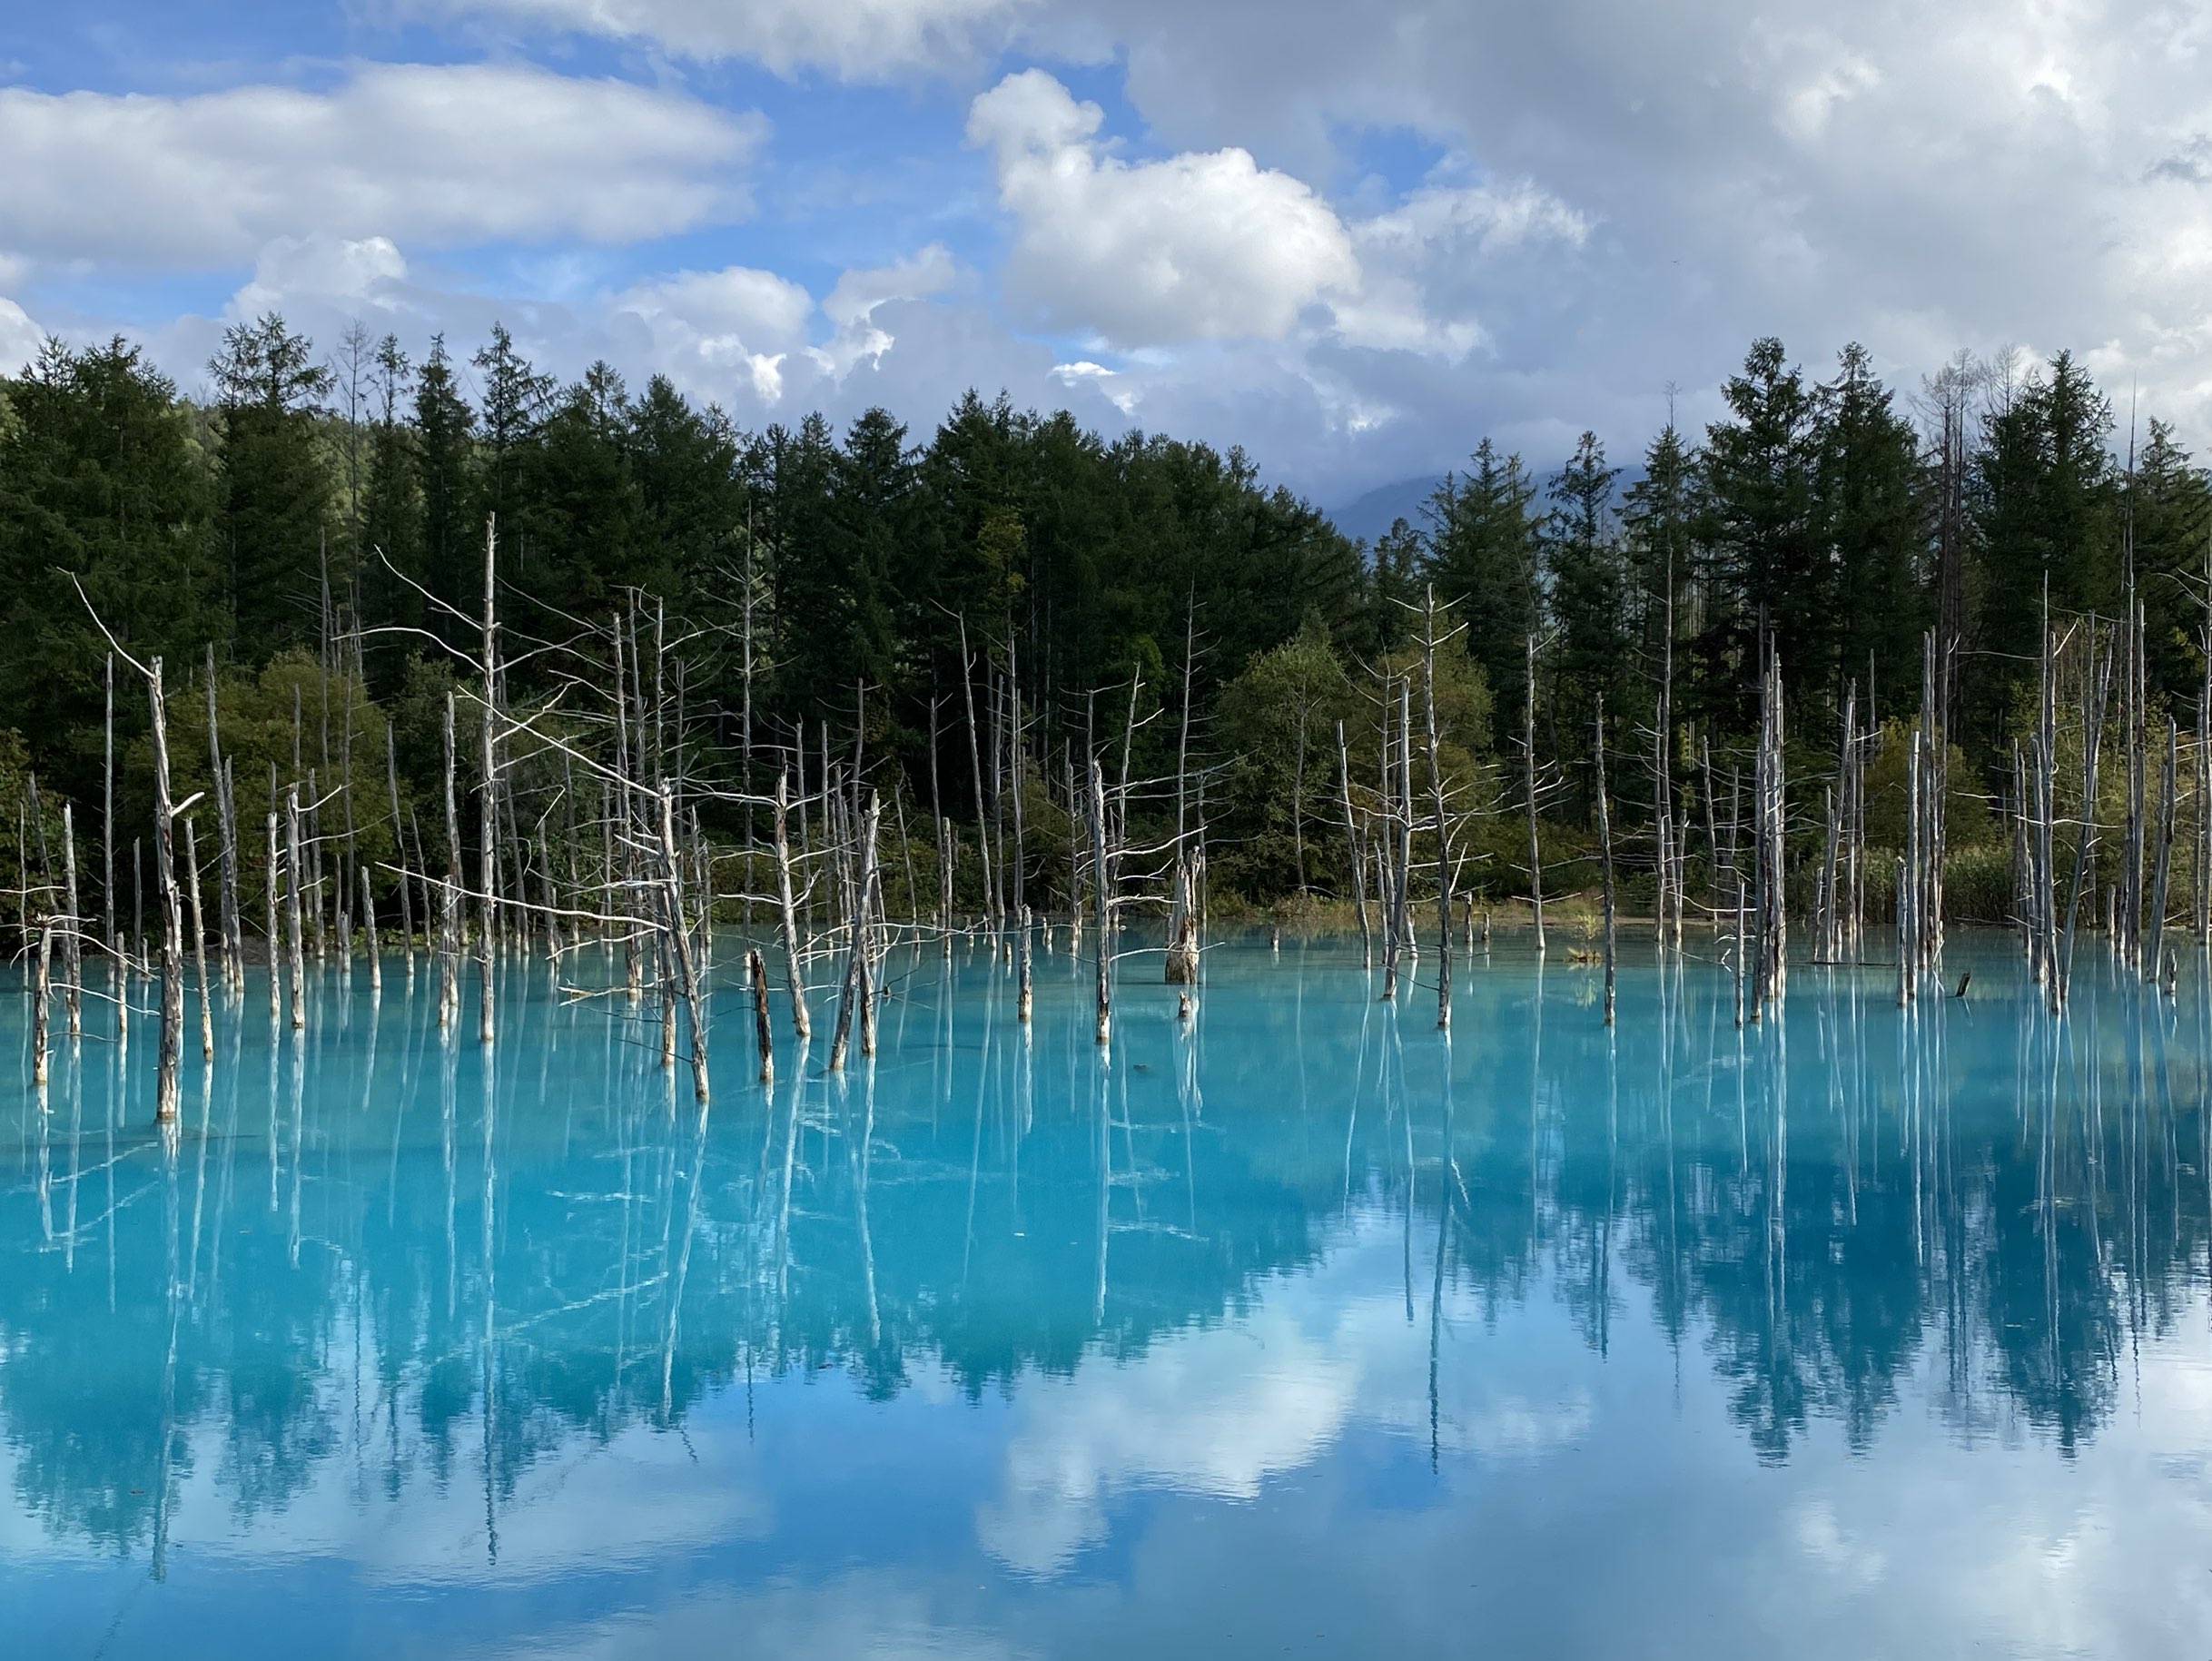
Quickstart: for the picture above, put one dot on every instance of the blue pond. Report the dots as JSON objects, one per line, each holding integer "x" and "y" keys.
{"x": 1302, "y": 1331}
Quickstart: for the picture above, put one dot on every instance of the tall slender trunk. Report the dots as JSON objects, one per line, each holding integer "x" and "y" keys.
{"x": 199, "y": 943}
{"x": 172, "y": 911}
{"x": 1528, "y": 751}
{"x": 489, "y": 806}
{"x": 1605, "y": 845}
{"x": 793, "y": 969}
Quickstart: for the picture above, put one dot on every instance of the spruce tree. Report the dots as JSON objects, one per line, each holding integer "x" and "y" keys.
{"x": 568, "y": 538}
{"x": 450, "y": 537}
{"x": 103, "y": 484}
{"x": 275, "y": 487}
{"x": 2045, "y": 512}
{"x": 1594, "y": 654}
{"x": 1659, "y": 518}
{"x": 1483, "y": 537}
{"x": 1870, "y": 517}
{"x": 515, "y": 399}
{"x": 392, "y": 511}
{"x": 2172, "y": 502}
{"x": 1768, "y": 567}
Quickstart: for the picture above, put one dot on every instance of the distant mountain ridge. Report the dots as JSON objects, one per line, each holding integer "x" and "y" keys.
{"x": 1367, "y": 518}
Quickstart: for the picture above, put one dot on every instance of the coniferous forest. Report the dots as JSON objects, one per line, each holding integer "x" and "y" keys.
{"x": 312, "y": 525}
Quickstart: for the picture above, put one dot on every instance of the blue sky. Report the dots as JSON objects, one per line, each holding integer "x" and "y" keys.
{"x": 1352, "y": 239}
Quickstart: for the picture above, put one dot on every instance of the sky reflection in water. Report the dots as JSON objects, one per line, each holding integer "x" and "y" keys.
{"x": 1302, "y": 1332}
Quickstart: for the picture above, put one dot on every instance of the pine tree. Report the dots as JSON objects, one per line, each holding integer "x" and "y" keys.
{"x": 569, "y": 538}
{"x": 683, "y": 463}
{"x": 449, "y": 540}
{"x": 2172, "y": 501}
{"x": 796, "y": 470}
{"x": 2046, "y": 502}
{"x": 873, "y": 511}
{"x": 392, "y": 510}
{"x": 103, "y": 484}
{"x": 516, "y": 399}
{"x": 276, "y": 490}
{"x": 1592, "y": 656}
{"x": 1768, "y": 568}
{"x": 1869, "y": 515}
{"x": 1660, "y": 519}
{"x": 1394, "y": 588}
{"x": 1483, "y": 545}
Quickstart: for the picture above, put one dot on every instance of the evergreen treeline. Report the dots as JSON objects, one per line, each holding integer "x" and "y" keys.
{"x": 313, "y": 496}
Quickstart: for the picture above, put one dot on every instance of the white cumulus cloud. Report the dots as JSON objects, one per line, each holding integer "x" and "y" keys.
{"x": 1190, "y": 248}
{"x": 705, "y": 328}
{"x": 19, "y": 337}
{"x": 1211, "y": 246}
{"x": 852, "y": 304}
{"x": 424, "y": 155}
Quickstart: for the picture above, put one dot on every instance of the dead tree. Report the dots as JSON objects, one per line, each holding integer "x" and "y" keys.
{"x": 199, "y": 944}
{"x": 1604, "y": 843}
{"x": 172, "y": 915}
{"x": 793, "y": 969}
{"x": 1443, "y": 824}
{"x": 487, "y": 855}
{"x": 1528, "y": 755}
{"x": 1354, "y": 853}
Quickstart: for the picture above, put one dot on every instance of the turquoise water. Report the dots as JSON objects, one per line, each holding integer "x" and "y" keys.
{"x": 1301, "y": 1331}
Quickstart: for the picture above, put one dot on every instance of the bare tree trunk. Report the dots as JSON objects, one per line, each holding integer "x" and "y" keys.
{"x": 975, "y": 765}
{"x": 1604, "y": 843}
{"x": 1386, "y": 888}
{"x": 1662, "y": 743}
{"x": 764, "y": 1035}
{"x": 1356, "y": 860}
{"x": 2062, "y": 960}
{"x": 226, "y": 831}
{"x": 449, "y": 957}
{"x": 1535, "y": 852}
{"x": 1014, "y": 750}
{"x": 1101, "y": 885}
{"x": 294, "y": 935}
{"x": 199, "y": 944}
{"x": 72, "y": 943}
{"x": 276, "y": 948}
{"x": 2204, "y": 769}
{"x": 855, "y": 997}
{"x": 1409, "y": 944}
{"x": 1076, "y": 816}
{"x": 172, "y": 915}
{"x": 1825, "y": 931}
{"x": 1742, "y": 941}
{"x": 1435, "y": 788}
{"x": 679, "y": 939}
{"x": 1023, "y": 996}
{"x": 1909, "y": 881}
{"x": 406, "y": 905}
{"x": 2156, "y": 956}
{"x": 312, "y": 844}
{"x": 793, "y": 969}
{"x": 489, "y": 806}
{"x": 107, "y": 817}
{"x": 871, "y": 900}
{"x": 234, "y": 924}
{"x": 42, "y": 997}
{"x": 375, "y": 949}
